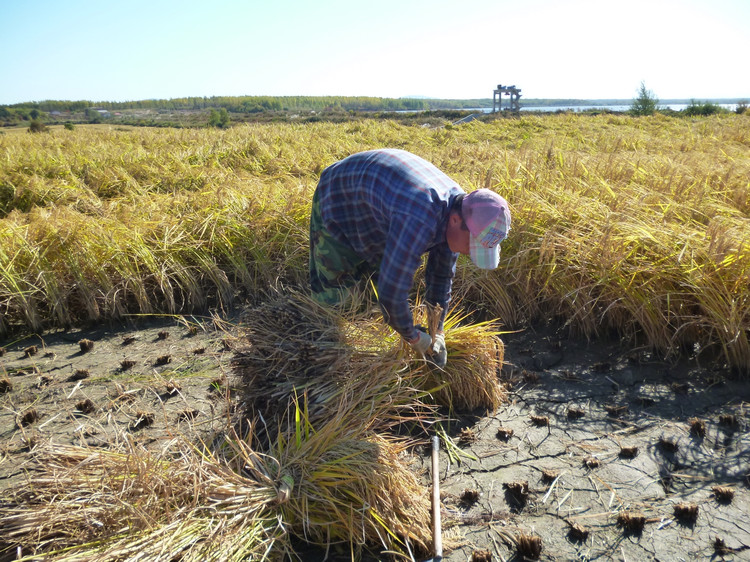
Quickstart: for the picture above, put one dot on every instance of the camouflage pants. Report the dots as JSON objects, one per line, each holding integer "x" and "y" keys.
{"x": 336, "y": 271}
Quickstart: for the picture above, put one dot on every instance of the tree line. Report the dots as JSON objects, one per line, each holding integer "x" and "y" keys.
{"x": 243, "y": 104}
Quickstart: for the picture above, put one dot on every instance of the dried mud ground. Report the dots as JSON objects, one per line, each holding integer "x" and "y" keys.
{"x": 601, "y": 453}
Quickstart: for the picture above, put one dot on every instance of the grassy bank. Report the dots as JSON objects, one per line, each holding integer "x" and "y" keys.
{"x": 637, "y": 226}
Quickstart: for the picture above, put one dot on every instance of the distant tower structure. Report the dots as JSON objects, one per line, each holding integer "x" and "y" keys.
{"x": 515, "y": 97}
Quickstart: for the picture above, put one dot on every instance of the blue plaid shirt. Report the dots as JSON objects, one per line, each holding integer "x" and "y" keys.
{"x": 390, "y": 207}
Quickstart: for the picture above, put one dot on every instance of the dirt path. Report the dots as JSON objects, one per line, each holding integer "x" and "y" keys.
{"x": 594, "y": 452}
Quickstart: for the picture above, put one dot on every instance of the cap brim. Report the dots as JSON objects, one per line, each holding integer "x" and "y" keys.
{"x": 484, "y": 258}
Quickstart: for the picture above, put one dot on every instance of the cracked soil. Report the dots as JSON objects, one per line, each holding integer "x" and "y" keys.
{"x": 601, "y": 453}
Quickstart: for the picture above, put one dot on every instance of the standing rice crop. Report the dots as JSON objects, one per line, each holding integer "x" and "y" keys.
{"x": 632, "y": 226}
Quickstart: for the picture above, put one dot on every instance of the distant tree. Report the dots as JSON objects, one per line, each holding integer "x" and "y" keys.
{"x": 93, "y": 116}
{"x": 69, "y": 126}
{"x": 37, "y": 126}
{"x": 645, "y": 103}
{"x": 219, "y": 118}
{"x": 741, "y": 107}
{"x": 705, "y": 108}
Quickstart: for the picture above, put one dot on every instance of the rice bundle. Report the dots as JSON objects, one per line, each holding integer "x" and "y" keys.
{"x": 351, "y": 485}
{"x": 338, "y": 482}
{"x": 98, "y": 504}
{"x": 295, "y": 346}
{"x": 470, "y": 379}
{"x": 320, "y": 392}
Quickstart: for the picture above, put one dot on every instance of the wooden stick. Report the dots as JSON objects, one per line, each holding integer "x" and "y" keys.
{"x": 437, "y": 538}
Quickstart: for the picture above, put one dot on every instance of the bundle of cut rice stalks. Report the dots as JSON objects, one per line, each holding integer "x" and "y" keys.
{"x": 294, "y": 346}
{"x": 471, "y": 378}
{"x": 343, "y": 483}
{"x": 133, "y": 504}
{"x": 335, "y": 483}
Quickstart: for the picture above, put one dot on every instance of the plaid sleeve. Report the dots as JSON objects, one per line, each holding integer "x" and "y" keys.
{"x": 407, "y": 240}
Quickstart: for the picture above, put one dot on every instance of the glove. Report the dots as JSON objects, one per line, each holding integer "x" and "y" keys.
{"x": 423, "y": 343}
{"x": 439, "y": 352}
{"x": 436, "y": 353}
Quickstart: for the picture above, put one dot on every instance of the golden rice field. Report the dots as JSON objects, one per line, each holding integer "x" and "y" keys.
{"x": 637, "y": 227}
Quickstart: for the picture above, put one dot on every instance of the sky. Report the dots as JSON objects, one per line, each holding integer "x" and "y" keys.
{"x": 583, "y": 49}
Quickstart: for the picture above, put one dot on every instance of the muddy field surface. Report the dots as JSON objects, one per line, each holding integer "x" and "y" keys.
{"x": 601, "y": 453}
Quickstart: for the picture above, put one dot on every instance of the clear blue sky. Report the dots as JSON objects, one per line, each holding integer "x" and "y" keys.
{"x": 139, "y": 49}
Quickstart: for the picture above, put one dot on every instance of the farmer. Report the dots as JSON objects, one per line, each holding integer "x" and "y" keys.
{"x": 375, "y": 213}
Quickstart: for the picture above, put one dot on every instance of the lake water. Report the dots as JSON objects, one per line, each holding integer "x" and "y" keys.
{"x": 546, "y": 108}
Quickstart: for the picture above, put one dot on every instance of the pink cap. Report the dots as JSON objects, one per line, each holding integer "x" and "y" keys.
{"x": 487, "y": 216}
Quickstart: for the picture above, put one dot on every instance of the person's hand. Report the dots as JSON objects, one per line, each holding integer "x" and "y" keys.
{"x": 439, "y": 352}
{"x": 436, "y": 353}
{"x": 422, "y": 343}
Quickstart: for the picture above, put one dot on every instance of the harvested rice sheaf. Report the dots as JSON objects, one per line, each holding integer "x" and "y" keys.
{"x": 344, "y": 483}
{"x": 328, "y": 386}
{"x": 475, "y": 359}
{"x": 188, "y": 504}
{"x": 295, "y": 346}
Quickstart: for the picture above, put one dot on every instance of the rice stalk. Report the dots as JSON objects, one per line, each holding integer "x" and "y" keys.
{"x": 471, "y": 377}
{"x": 294, "y": 346}
{"x": 349, "y": 484}
{"x": 133, "y": 504}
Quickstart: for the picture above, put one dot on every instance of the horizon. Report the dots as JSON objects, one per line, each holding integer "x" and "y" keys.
{"x": 84, "y": 50}
{"x": 612, "y": 101}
